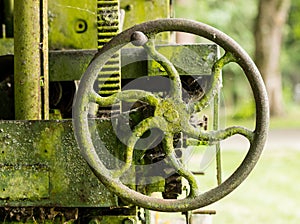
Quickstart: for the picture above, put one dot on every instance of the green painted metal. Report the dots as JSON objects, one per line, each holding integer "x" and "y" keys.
{"x": 134, "y": 63}
{"x": 108, "y": 20}
{"x": 27, "y": 60}
{"x": 140, "y": 11}
{"x": 40, "y": 165}
{"x": 199, "y": 57}
{"x": 72, "y": 24}
{"x": 66, "y": 65}
{"x": 44, "y": 59}
{"x": 33, "y": 178}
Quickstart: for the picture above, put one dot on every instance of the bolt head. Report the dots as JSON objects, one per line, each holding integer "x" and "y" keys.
{"x": 138, "y": 38}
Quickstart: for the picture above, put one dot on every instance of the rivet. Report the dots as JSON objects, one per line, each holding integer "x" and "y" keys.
{"x": 81, "y": 26}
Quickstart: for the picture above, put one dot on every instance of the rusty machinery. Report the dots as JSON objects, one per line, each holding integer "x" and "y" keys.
{"x": 133, "y": 113}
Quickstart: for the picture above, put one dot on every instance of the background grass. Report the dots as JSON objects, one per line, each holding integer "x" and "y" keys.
{"x": 271, "y": 192}
{"x": 269, "y": 195}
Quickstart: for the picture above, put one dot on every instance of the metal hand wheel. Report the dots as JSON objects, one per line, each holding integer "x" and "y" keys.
{"x": 171, "y": 115}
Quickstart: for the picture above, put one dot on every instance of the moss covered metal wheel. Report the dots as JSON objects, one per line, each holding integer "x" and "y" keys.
{"x": 171, "y": 115}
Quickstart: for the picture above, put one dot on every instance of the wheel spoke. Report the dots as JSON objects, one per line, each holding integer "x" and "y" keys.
{"x": 126, "y": 95}
{"x": 102, "y": 101}
{"x": 211, "y": 137}
{"x": 216, "y": 84}
{"x": 139, "y": 130}
{"x": 180, "y": 169}
{"x": 176, "y": 88}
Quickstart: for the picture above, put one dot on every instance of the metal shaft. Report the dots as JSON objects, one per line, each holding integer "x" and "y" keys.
{"x": 8, "y": 18}
{"x": 29, "y": 59}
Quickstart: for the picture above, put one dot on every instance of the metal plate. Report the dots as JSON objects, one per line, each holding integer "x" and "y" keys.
{"x": 41, "y": 165}
{"x": 24, "y": 182}
{"x": 72, "y": 24}
{"x": 189, "y": 59}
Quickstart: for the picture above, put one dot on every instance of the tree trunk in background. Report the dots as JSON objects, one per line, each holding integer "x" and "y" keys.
{"x": 270, "y": 22}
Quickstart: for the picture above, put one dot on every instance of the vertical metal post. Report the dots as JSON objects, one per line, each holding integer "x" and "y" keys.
{"x": 8, "y": 14}
{"x": 216, "y": 127}
{"x": 45, "y": 59}
{"x": 29, "y": 59}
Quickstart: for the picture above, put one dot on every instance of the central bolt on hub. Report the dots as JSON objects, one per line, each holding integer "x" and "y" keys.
{"x": 171, "y": 115}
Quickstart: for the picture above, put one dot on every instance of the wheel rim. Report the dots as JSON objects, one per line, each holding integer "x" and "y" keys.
{"x": 83, "y": 137}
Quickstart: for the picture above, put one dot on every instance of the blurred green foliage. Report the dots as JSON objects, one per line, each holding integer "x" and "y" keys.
{"x": 234, "y": 17}
{"x": 291, "y": 52}
{"x": 237, "y": 18}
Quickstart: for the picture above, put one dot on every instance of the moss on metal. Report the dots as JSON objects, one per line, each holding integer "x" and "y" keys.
{"x": 45, "y": 156}
{"x": 141, "y": 11}
{"x": 72, "y": 24}
{"x": 27, "y": 60}
{"x": 194, "y": 200}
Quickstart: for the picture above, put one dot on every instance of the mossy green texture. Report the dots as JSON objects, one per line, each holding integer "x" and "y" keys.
{"x": 72, "y": 24}
{"x": 41, "y": 165}
{"x": 141, "y": 11}
{"x": 23, "y": 182}
{"x": 27, "y": 60}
